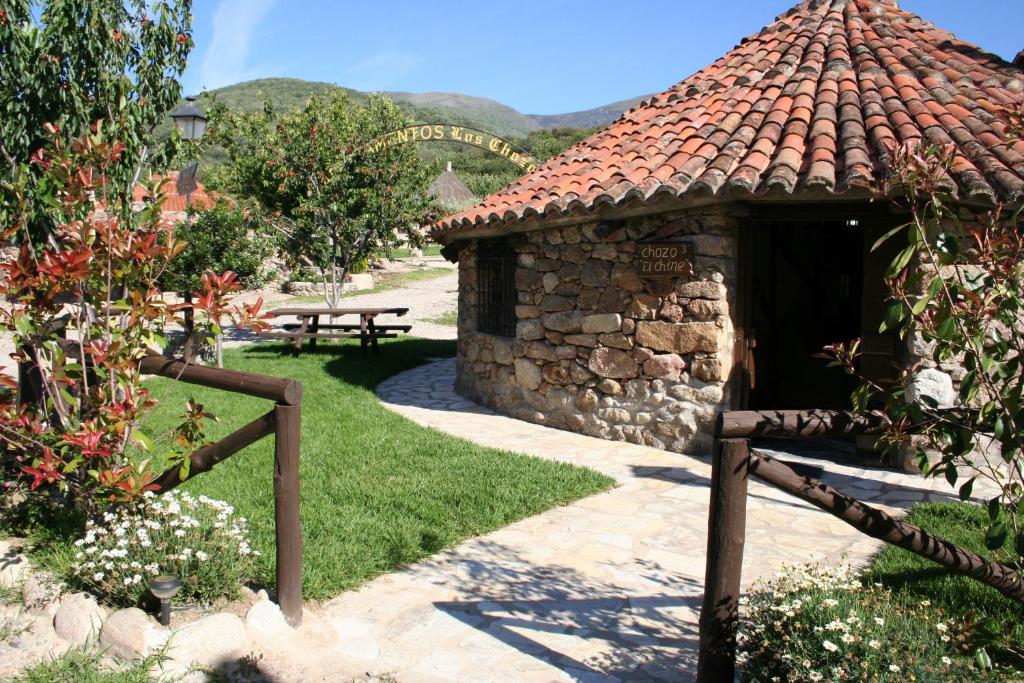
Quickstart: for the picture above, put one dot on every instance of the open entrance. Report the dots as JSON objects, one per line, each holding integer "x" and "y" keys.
{"x": 811, "y": 283}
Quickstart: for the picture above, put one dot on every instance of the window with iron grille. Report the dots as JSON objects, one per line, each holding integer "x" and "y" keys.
{"x": 496, "y": 288}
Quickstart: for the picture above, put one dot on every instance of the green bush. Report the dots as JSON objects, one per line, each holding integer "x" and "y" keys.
{"x": 221, "y": 238}
{"x": 198, "y": 539}
{"x": 815, "y": 624}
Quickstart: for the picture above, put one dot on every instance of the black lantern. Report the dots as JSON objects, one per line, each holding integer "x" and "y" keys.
{"x": 191, "y": 120}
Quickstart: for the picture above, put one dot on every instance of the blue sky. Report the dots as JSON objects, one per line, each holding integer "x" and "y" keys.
{"x": 539, "y": 56}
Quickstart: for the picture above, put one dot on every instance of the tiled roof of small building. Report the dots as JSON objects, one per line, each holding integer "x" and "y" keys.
{"x": 173, "y": 201}
{"x": 811, "y": 103}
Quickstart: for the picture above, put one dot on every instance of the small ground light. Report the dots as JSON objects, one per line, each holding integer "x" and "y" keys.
{"x": 165, "y": 587}
{"x": 852, "y": 223}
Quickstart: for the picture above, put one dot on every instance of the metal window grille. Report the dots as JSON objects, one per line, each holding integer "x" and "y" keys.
{"x": 496, "y": 288}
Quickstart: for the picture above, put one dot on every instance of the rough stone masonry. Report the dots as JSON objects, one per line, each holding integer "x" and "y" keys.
{"x": 600, "y": 350}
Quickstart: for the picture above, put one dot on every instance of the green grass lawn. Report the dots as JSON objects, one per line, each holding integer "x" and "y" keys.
{"x": 448, "y": 319}
{"x": 385, "y": 281}
{"x": 998, "y": 621}
{"x": 429, "y": 250}
{"x": 378, "y": 491}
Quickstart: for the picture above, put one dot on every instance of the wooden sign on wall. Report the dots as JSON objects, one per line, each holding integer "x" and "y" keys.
{"x": 664, "y": 259}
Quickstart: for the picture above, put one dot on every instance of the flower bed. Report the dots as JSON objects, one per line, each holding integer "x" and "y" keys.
{"x": 198, "y": 539}
{"x": 815, "y": 624}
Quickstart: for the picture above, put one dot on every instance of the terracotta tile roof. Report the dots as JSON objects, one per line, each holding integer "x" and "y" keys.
{"x": 810, "y": 103}
{"x": 174, "y": 202}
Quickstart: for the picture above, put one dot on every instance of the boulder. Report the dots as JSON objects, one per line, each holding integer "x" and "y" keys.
{"x": 502, "y": 351}
{"x": 78, "y": 619}
{"x": 680, "y": 338}
{"x": 566, "y": 322}
{"x": 530, "y": 329}
{"x": 714, "y": 369}
{"x": 668, "y": 365}
{"x": 553, "y": 303}
{"x": 701, "y": 289}
{"x": 588, "y": 340}
{"x": 265, "y": 620}
{"x": 131, "y": 634}
{"x": 616, "y": 340}
{"x": 210, "y": 642}
{"x": 528, "y": 375}
{"x": 613, "y": 364}
{"x": 595, "y": 272}
{"x": 13, "y": 566}
{"x": 643, "y": 307}
{"x": 703, "y": 309}
{"x": 625, "y": 277}
{"x": 602, "y": 322}
{"x": 556, "y": 374}
{"x": 932, "y": 388}
{"x": 610, "y": 387}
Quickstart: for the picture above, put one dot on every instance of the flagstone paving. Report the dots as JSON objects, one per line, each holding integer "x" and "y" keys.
{"x": 607, "y": 588}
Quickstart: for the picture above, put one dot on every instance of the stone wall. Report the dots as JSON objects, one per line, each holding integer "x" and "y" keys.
{"x": 600, "y": 351}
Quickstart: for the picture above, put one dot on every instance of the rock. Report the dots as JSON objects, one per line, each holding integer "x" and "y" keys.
{"x": 589, "y": 296}
{"x": 39, "y": 592}
{"x": 610, "y": 387}
{"x": 606, "y": 252}
{"x": 628, "y": 326}
{"x": 616, "y": 340}
{"x": 714, "y": 369}
{"x": 613, "y": 364}
{"x": 588, "y": 340}
{"x": 931, "y": 388}
{"x": 502, "y": 351}
{"x": 567, "y": 322}
{"x": 613, "y": 300}
{"x": 554, "y": 236}
{"x": 541, "y": 351}
{"x": 701, "y": 289}
{"x": 550, "y": 281}
{"x": 556, "y": 374}
{"x": 131, "y": 634}
{"x": 595, "y": 272}
{"x": 528, "y": 279}
{"x": 668, "y": 365}
{"x": 602, "y": 322}
{"x": 527, "y": 260}
{"x": 580, "y": 374}
{"x": 643, "y": 307}
{"x": 265, "y": 620}
{"x": 680, "y": 338}
{"x": 547, "y": 265}
{"x": 572, "y": 234}
{"x": 530, "y": 329}
{"x": 13, "y": 566}
{"x": 209, "y": 642}
{"x": 642, "y": 355}
{"x": 671, "y": 312}
{"x": 552, "y": 303}
{"x": 528, "y": 375}
{"x": 78, "y": 619}
{"x": 625, "y": 277}
{"x": 527, "y": 311}
{"x": 703, "y": 309}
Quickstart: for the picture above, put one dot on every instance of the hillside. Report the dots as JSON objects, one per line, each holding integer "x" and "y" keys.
{"x": 478, "y": 112}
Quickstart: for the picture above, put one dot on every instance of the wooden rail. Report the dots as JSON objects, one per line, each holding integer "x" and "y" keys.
{"x": 285, "y": 422}
{"x": 734, "y": 461}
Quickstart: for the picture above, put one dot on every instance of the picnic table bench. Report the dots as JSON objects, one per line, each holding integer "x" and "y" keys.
{"x": 309, "y": 326}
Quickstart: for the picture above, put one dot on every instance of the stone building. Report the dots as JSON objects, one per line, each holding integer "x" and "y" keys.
{"x": 694, "y": 255}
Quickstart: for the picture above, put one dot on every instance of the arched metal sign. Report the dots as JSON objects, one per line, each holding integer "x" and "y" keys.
{"x": 445, "y": 132}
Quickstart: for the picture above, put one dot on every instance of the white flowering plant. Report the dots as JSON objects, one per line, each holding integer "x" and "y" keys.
{"x": 198, "y": 539}
{"x": 811, "y": 623}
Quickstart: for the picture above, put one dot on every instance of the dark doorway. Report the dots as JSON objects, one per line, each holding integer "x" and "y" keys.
{"x": 806, "y": 287}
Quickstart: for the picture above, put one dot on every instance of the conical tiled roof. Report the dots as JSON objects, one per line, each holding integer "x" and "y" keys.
{"x": 810, "y": 104}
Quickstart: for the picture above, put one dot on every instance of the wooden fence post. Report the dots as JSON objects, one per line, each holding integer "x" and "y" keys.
{"x": 719, "y": 615}
{"x": 288, "y": 419}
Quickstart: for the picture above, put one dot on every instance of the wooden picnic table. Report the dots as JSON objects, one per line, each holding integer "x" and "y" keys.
{"x": 310, "y": 327}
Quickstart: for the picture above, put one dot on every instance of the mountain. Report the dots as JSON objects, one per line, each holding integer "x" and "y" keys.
{"x": 589, "y": 118}
{"x": 478, "y": 112}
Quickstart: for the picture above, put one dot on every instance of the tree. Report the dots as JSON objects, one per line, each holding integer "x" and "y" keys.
{"x": 70, "y": 63}
{"x": 340, "y": 198}
{"x": 958, "y": 289}
{"x": 223, "y": 237}
{"x": 84, "y": 309}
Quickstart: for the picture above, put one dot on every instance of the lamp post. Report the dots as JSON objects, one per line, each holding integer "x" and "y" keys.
{"x": 165, "y": 587}
{"x": 191, "y": 121}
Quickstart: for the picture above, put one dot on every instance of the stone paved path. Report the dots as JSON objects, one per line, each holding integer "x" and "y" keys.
{"x": 605, "y": 589}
